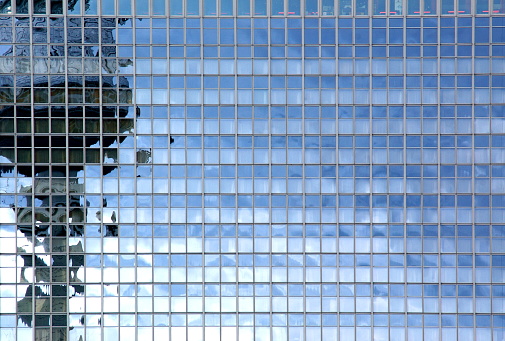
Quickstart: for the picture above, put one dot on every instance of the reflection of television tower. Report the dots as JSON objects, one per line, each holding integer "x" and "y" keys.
{"x": 50, "y": 208}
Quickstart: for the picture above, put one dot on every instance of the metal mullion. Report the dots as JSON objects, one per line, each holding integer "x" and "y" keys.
{"x": 404, "y": 162}
{"x": 438, "y": 163}
{"x": 67, "y": 234}
{"x": 235, "y": 80}
{"x": 153, "y": 195}
{"x": 135, "y": 255}
{"x": 440, "y": 269}
{"x": 237, "y": 251}
{"x": 134, "y": 192}
{"x": 472, "y": 184}
{"x": 202, "y": 74}
{"x": 102, "y": 265}
{"x": 253, "y": 284}
{"x": 304, "y": 222}
{"x": 303, "y": 150}
{"x": 100, "y": 97}
{"x": 32, "y": 150}
{"x": 370, "y": 178}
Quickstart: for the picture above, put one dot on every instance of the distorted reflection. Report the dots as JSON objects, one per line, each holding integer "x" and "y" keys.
{"x": 46, "y": 140}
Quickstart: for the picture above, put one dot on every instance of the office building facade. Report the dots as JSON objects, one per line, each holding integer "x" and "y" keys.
{"x": 252, "y": 170}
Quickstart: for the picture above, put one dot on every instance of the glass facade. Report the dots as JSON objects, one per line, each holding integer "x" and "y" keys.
{"x": 252, "y": 170}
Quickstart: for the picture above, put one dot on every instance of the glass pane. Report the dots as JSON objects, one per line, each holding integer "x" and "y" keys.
{"x": 192, "y": 7}
{"x": 294, "y": 7}
{"x": 277, "y": 7}
{"x": 7, "y": 7}
{"x": 447, "y": 6}
{"x": 345, "y": 7}
{"x": 91, "y": 7}
{"x": 57, "y": 7}
{"x": 24, "y": 155}
{"x": 482, "y": 6}
{"x": 311, "y": 7}
{"x": 42, "y": 155}
{"x": 226, "y": 7}
{"x": 361, "y": 7}
{"x": 430, "y": 6}
{"x": 22, "y": 6}
{"x": 175, "y": 7}
{"x": 125, "y": 7}
{"x": 413, "y": 7}
{"x": 39, "y": 7}
{"x": 76, "y": 155}
{"x": 142, "y": 7}
{"x": 379, "y": 7}
{"x": 108, "y": 7}
{"x": 58, "y": 156}
{"x": 58, "y": 126}
{"x": 498, "y": 6}
{"x": 464, "y": 7}
{"x": 41, "y": 126}
{"x": 75, "y": 126}
{"x": 244, "y": 7}
{"x": 93, "y": 155}
{"x": 24, "y": 125}
{"x": 328, "y": 7}
{"x": 209, "y": 7}
{"x": 74, "y": 7}
{"x": 395, "y": 7}
{"x": 260, "y": 7}
{"x": 8, "y": 153}
{"x": 159, "y": 7}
